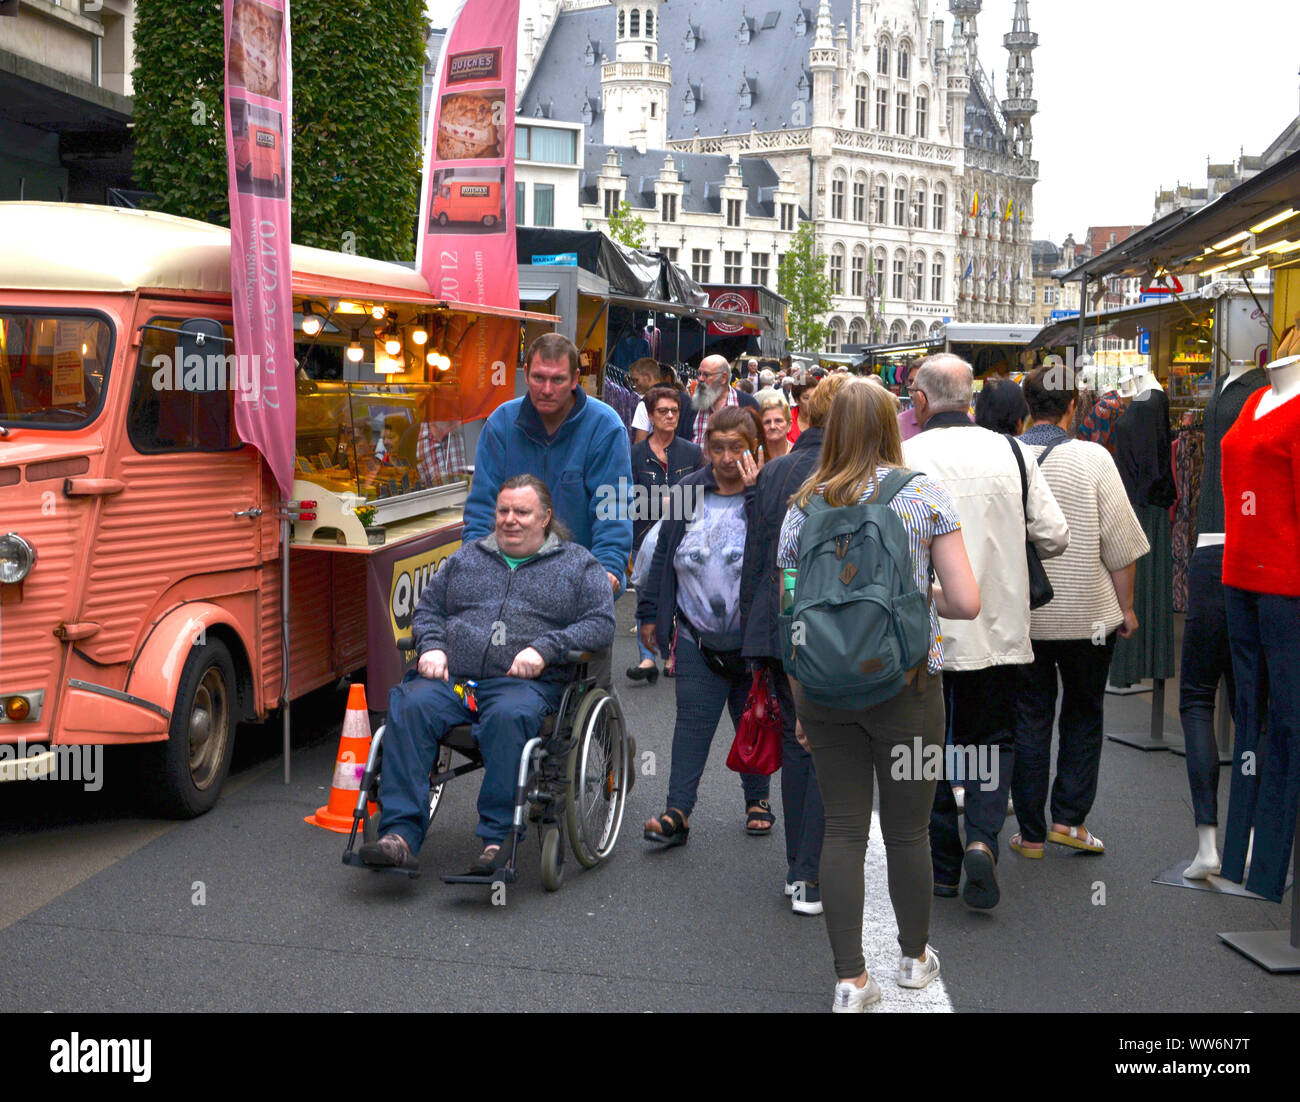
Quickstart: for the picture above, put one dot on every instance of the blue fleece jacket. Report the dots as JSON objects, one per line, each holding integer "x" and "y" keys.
{"x": 587, "y": 466}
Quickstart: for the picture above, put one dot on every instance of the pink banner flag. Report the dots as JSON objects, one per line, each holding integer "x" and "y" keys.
{"x": 467, "y": 207}
{"x": 258, "y": 128}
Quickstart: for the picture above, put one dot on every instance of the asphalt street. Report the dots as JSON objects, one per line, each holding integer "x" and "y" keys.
{"x": 250, "y": 909}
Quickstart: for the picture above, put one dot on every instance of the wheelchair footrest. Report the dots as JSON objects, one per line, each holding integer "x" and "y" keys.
{"x": 354, "y": 859}
{"x": 487, "y": 880}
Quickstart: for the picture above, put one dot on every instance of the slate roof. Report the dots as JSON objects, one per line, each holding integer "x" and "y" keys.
{"x": 774, "y": 58}
{"x": 701, "y": 174}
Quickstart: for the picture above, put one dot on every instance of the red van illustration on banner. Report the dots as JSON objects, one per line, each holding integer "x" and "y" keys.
{"x": 257, "y": 154}
{"x": 467, "y": 201}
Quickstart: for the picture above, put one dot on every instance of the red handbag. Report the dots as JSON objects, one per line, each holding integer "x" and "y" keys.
{"x": 757, "y": 746}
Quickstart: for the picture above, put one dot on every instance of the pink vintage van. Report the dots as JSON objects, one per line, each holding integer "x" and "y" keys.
{"x": 140, "y": 550}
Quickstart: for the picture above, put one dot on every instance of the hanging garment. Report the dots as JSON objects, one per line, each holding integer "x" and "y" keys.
{"x": 623, "y": 400}
{"x": 1144, "y": 451}
{"x": 1221, "y": 413}
{"x": 1099, "y": 423}
{"x": 1150, "y": 652}
{"x": 1189, "y": 462}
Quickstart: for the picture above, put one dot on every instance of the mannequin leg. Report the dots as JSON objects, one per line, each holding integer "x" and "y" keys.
{"x": 1249, "y": 711}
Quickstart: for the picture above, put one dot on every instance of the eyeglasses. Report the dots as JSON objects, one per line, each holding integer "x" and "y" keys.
{"x": 668, "y": 411}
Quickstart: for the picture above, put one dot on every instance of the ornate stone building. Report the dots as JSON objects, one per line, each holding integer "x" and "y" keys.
{"x": 723, "y": 128}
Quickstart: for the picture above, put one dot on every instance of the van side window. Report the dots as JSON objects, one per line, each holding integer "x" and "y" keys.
{"x": 179, "y": 407}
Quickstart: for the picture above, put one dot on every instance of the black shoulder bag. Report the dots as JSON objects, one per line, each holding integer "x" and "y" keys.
{"x": 1040, "y": 586}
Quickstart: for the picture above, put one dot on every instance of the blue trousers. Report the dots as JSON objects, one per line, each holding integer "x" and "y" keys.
{"x": 801, "y": 796}
{"x": 421, "y": 712}
{"x": 701, "y": 695}
{"x": 1263, "y": 629}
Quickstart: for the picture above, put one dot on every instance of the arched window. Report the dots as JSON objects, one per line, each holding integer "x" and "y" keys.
{"x": 857, "y": 272}
{"x": 918, "y": 277}
{"x": 622, "y": 23}
{"x": 939, "y": 206}
{"x": 649, "y": 23}
{"x": 937, "y": 289}
{"x": 880, "y": 200}
{"x": 904, "y": 60}
{"x": 936, "y": 327}
{"x": 634, "y": 24}
{"x": 918, "y": 206}
{"x": 900, "y": 201}
{"x": 922, "y": 113}
{"x": 882, "y": 57}
{"x": 838, "y": 187}
{"x": 857, "y": 331}
{"x": 861, "y": 103}
{"x": 835, "y": 335}
{"x": 898, "y": 332}
{"x": 879, "y": 273}
{"x": 837, "y": 269}
{"x": 918, "y": 331}
{"x": 899, "y": 276}
{"x": 860, "y": 197}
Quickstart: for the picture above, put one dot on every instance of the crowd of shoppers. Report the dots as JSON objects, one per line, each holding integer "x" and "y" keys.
{"x": 986, "y": 482}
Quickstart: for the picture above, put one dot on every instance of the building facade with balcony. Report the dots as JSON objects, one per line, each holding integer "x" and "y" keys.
{"x": 65, "y": 99}
{"x": 855, "y": 114}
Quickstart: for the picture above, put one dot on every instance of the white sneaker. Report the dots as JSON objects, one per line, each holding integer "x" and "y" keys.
{"x": 806, "y": 898}
{"x": 916, "y": 973}
{"x": 851, "y": 999}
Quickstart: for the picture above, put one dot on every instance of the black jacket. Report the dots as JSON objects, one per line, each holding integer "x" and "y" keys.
{"x": 657, "y": 599}
{"x": 1144, "y": 449}
{"x": 779, "y": 479}
{"x": 683, "y": 458}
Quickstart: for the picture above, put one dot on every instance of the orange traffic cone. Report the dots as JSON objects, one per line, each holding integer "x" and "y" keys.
{"x": 354, "y": 750}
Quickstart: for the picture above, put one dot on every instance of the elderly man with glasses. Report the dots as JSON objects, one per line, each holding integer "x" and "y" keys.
{"x": 713, "y": 393}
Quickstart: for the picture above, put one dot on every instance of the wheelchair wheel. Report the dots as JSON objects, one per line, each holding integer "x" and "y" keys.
{"x": 552, "y": 858}
{"x": 597, "y": 770}
{"x": 441, "y": 765}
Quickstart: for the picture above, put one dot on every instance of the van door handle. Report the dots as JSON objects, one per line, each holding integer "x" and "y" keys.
{"x": 254, "y": 513}
{"x": 92, "y": 487}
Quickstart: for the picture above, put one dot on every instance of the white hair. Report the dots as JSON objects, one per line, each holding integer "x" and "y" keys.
{"x": 948, "y": 382}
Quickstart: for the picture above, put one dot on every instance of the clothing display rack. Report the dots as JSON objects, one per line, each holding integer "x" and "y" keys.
{"x": 1275, "y": 950}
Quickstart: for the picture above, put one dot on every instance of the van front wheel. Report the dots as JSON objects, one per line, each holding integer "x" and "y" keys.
{"x": 191, "y": 766}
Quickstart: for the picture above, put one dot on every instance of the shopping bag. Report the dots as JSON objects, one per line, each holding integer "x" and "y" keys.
{"x": 757, "y": 745}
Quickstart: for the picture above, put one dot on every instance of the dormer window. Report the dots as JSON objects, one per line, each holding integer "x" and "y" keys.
{"x": 747, "y": 93}
{"x": 587, "y": 113}
{"x": 804, "y": 87}
{"x": 801, "y": 23}
{"x": 692, "y": 37}
{"x": 745, "y": 33}
{"x": 590, "y": 53}
{"x": 690, "y": 100}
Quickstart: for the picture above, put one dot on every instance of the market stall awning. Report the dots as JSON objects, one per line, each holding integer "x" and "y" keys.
{"x": 754, "y": 322}
{"x": 1123, "y": 322}
{"x": 1262, "y": 214}
{"x": 538, "y": 294}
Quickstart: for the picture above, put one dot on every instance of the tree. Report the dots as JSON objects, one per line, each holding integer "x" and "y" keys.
{"x": 356, "y": 135}
{"x": 803, "y": 280}
{"x": 627, "y": 228}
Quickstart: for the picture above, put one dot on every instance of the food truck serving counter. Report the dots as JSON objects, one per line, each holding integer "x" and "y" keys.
{"x": 142, "y": 592}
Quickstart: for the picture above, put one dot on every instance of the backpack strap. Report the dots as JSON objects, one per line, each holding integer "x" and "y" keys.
{"x": 1048, "y": 450}
{"x": 893, "y": 484}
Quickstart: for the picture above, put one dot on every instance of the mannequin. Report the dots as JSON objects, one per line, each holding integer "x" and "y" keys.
{"x": 1206, "y": 657}
{"x": 1144, "y": 381}
{"x": 1261, "y": 575}
{"x": 1127, "y": 383}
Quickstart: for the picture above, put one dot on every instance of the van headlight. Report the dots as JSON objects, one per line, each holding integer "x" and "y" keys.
{"x": 16, "y": 558}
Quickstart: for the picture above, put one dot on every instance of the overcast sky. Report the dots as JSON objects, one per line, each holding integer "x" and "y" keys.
{"x": 1134, "y": 95}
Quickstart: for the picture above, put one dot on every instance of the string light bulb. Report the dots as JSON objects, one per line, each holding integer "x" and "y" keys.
{"x": 420, "y": 335}
{"x": 355, "y": 352}
{"x": 392, "y": 343}
{"x": 311, "y": 323}
{"x": 378, "y": 312}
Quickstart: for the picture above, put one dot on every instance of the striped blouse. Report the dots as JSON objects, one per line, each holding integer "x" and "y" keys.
{"x": 926, "y": 511}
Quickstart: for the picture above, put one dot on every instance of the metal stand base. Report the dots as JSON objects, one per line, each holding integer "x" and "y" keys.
{"x": 1156, "y": 739}
{"x": 1270, "y": 949}
{"x": 1172, "y": 877}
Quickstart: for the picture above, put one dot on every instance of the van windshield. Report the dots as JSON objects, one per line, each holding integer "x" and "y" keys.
{"x": 53, "y": 367}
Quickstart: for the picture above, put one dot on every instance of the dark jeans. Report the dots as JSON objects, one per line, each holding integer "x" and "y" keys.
{"x": 1264, "y": 630}
{"x": 982, "y": 706}
{"x": 701, "y": 695}
{"x": 1084, "y": 666}
{"x": 801, "y": 798}
{"x": 848, "y": 748}
{"x": 421, "y": 712}
{"x": 1207, "y": 657}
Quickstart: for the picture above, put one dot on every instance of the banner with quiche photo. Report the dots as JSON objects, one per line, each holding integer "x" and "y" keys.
{"x": 258, "y": 128}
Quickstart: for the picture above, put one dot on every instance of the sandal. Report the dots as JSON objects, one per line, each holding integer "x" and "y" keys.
{"x": 1080, "y": 838}
{"x": 672, "y": 829}
{"x": 1017, "y": 843}
{"x": 763, "y": 815}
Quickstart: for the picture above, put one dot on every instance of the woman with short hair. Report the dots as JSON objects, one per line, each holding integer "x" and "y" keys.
{"x": 1000, "y": 407}
{"x": 774, "y": 411}
{"x": 690, "y": 609}
{"x": 659, "y": 463}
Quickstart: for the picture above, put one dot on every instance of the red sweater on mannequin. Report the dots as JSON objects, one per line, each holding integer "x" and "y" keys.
{"x": 1261, "y": 496}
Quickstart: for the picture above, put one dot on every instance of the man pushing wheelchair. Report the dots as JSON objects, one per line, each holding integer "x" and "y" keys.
{"x": 492, "y": 629}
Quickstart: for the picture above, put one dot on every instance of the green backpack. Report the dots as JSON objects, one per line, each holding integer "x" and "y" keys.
{"x": 858, "y": 624}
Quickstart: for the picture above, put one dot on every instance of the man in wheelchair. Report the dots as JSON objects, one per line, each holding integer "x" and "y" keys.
{"x": 491, "y": 629}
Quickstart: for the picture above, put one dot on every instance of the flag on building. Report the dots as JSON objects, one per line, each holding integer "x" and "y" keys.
{"x": 1022, "y": 216}
{"x": 984, "y": 269}
{"x": 259, "y": 112}
{"x": 996, "y": 269}
{"x": 970, "y": 269}
{"x": 1010, "y": 210}
{"x": 975, "y": 206}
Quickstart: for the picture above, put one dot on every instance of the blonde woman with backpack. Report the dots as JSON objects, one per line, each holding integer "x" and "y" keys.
{"x": 862, "y": 447}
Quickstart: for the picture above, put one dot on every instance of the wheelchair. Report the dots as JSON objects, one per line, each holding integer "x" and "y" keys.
{"x": 573, "y": 782}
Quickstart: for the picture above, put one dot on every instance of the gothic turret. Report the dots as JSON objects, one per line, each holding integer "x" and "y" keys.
{"x": 635, "y": 86}
{"x": 1020, "y": 105}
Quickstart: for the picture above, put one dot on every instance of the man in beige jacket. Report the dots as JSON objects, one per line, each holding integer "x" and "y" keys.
{"x": 980, "y": 471}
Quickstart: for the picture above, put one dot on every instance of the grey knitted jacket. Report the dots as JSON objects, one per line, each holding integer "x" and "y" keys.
{"x": 482, "y": 613}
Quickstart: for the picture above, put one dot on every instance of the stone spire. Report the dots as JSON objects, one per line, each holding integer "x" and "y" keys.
{"x": 1020, "y": 105}
{"x": 965, "y": 36}
{"x": 823, "y": 59}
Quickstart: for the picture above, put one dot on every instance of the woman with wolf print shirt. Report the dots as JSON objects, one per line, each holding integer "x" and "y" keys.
{"x": 691, "y": 607}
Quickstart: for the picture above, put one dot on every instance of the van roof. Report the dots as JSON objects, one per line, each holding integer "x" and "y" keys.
{"x": 79, "y": 247}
